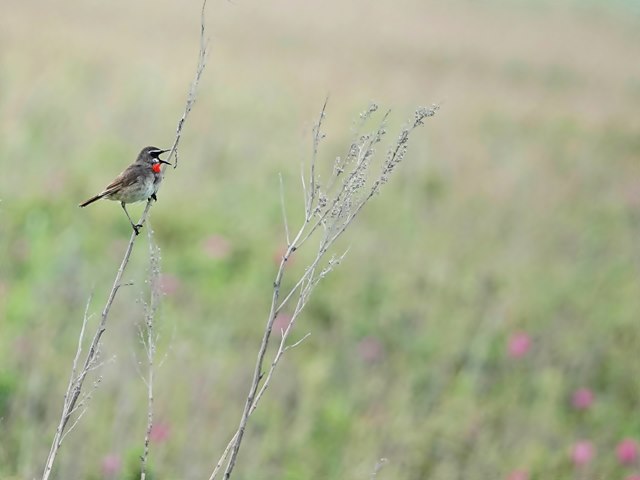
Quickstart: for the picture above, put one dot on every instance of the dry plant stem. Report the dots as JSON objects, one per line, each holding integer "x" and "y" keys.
{"x": 149, "y": 341}
{"x": 147, "y": 435}
{"x": 284, "y": 211}
{"x": 317, "y": 136}
{"x": 75, "y": 383}
{"x": 66, "y": 409}
{"x": 255, "y": 395}
{"x": 193, "y": 89}
{"x": 347, "y": 202}
{"x": 257, "y": 373}
{"x": 258, "y": 393}
{"x": 283, "y": 347}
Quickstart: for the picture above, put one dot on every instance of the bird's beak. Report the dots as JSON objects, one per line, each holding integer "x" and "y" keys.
{"x": 160, "y": 152}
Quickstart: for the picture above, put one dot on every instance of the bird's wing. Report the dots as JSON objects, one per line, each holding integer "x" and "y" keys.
{"x": 125, "y": 179}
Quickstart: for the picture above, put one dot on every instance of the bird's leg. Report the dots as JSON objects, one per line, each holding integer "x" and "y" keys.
{"x": 136, "y": 228}
{"x": 153, "y": 195}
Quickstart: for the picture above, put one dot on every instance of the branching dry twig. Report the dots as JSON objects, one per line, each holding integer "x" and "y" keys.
{"x": 327, "y": 215}
{"x": 75, "y": 385}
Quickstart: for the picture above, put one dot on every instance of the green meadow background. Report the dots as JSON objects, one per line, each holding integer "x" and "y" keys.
{"x": 496, "y": 275}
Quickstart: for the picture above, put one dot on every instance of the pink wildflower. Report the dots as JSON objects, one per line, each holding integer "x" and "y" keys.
{"x": 370, "y": 349}
{"x": 217, "y": 247}
{"x": 518, "y": 475}
{"x": 519, "y": 344}
{"x": 627, "y": 451}
{"x": 281, "y": 323}
{"x": 159, "y": 432}
{"x": 169, "y": 284}
{"x": 582, "y": 399}
{"x": 582, "y": 453}
{"x": 111, "y": 465}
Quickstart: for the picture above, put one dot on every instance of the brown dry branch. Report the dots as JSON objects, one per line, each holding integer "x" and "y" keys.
{"x": 72, "y": 399}
{"x": 328, "y": 213}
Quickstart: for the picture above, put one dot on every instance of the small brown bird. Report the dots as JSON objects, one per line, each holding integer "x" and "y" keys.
{"x": 140, "y": 181}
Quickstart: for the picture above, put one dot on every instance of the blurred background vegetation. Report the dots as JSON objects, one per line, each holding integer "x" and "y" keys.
{"x": 485, "y": 323}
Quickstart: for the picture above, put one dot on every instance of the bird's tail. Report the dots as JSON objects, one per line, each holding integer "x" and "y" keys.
{"x": 93, "y": 199}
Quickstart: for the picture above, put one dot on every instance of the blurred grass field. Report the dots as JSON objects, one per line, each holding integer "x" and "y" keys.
{"x": 497, "y": 274}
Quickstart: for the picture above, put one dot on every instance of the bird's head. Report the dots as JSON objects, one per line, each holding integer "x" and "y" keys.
{"x": 151, "y": 156}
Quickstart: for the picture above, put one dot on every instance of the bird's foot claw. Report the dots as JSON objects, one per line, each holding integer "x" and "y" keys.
{"x": 136, "y": 228}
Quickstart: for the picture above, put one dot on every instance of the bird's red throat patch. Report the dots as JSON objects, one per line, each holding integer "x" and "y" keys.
{"x": 156, "y": 167}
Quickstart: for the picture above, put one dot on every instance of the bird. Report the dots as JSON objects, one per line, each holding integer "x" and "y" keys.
{"x": 139, "y": 181}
